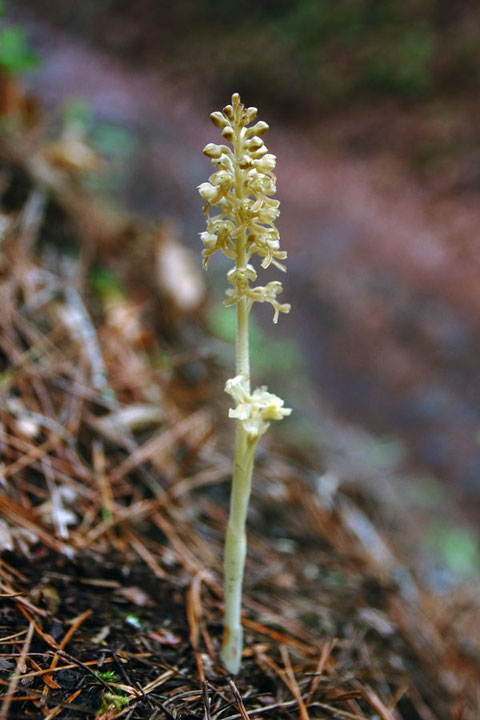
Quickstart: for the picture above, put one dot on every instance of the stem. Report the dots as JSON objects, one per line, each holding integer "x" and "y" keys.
{"x": 236, "y": 541}
{"x": 242, "y": 359}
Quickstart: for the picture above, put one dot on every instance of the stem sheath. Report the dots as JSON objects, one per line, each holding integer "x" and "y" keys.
{"x": 235, "y": 549}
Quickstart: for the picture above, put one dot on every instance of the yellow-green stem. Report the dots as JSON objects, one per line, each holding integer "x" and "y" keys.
{"x": 235, "y": 540}
{"x": 235, "y": 549}
{"x": 242, "y": 354}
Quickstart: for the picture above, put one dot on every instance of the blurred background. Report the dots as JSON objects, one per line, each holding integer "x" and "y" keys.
{"x": 375, "y": 116}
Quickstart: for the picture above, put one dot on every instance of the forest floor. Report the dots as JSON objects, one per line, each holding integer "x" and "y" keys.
{"x": 115, "y": 454}
{"x": 116, "y": 466}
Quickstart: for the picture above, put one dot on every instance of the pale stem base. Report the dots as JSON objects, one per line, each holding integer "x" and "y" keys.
{"x": 235, "y": 549}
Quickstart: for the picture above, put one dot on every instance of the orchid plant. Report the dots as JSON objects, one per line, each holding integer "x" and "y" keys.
{"x": 241, "y": 188}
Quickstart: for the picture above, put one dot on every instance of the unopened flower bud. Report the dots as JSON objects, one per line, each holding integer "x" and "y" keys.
{"x": 218, "y": 120}
{"x": 212, "y": 150}
{"x": 260, "y": 152}
{"x": 254, "y": 143}
{"x": 260, "y": 128}
{"x": 228, "y": 112}
{"x": 228, "y": 133}
{"x": 251, "y": 113}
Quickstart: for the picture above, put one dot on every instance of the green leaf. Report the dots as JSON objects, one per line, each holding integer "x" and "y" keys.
{"x": 460, "y": 551}
{"x": 108, "y": 676}
{"x": 15, "y": 53}
{"x": 134, "y": 621}
{"x": 457, "y": 548}
{"x": 106, "y": 284}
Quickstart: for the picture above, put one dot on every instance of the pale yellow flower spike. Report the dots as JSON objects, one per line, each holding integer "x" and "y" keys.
{"x": 241, "y": 187}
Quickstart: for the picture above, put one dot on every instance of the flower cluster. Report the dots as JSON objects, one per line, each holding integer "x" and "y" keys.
{"x": 255, "y": 409}
{"x": 241, "y": 187}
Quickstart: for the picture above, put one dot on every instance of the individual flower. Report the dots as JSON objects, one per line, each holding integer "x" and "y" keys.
{"x": 268, "y": 293}
{"x": 239, "y": 278}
